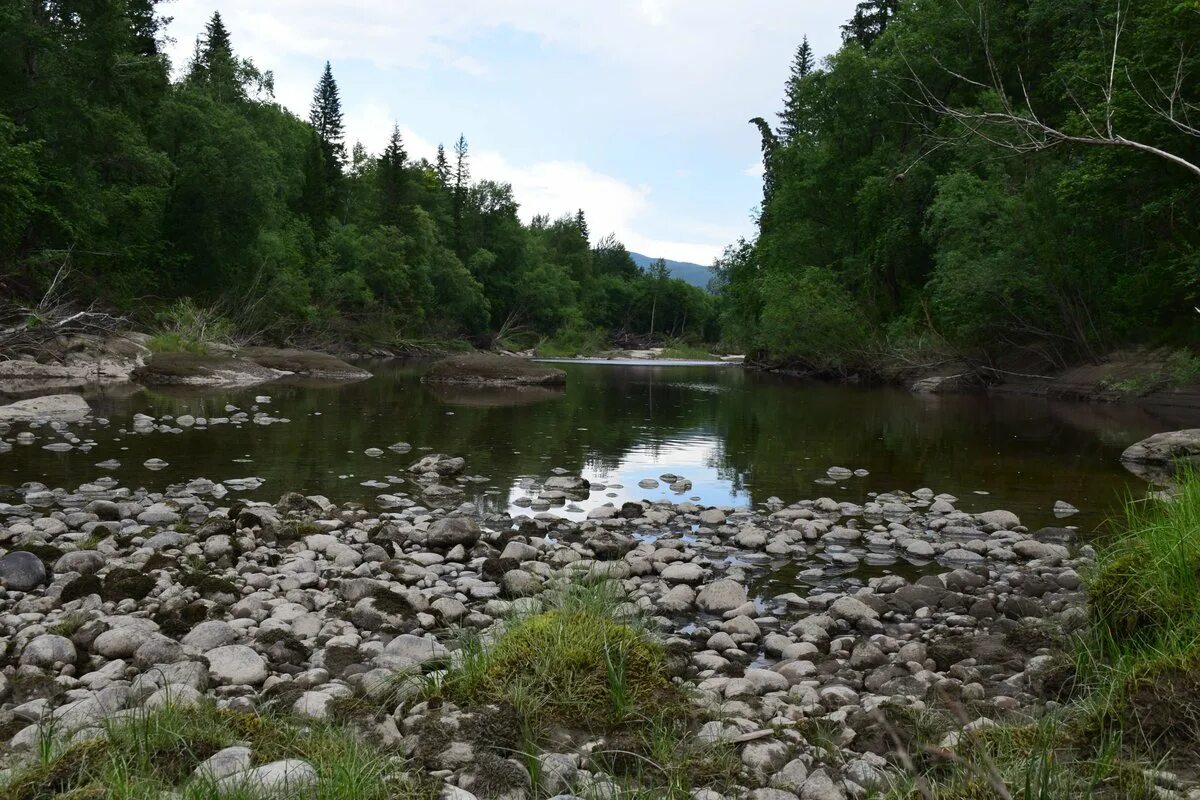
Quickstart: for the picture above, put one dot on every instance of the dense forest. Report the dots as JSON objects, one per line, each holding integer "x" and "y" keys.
{"x": 158, "y": 187}
{"x": 1013, "y": 181}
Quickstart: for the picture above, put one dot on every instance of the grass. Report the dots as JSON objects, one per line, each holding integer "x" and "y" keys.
{"x": 1180, "y": 368}
{"x": 1133, "y": 707}
{"x": 186, "y": 327}
{"x": 153, "y": 754}
{"x": 581, "y": 662}
{"x": 684, "y": 351}
{"x": 176, "y": 343}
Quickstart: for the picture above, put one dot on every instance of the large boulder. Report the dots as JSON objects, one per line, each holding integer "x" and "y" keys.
{"x": 303, "y": 362}
{"x": 21, "y": 571}
{"x": 194, "y": 369}
{"x": 1155, "y": 457}
{"x": 450, "y": 531}
{"x": 65, "y": 407}
{"x": 494, "y": 370}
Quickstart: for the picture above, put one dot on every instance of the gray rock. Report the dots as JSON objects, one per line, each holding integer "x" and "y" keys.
{"x": 56, "y": 406}
{"x": 720, "y": 596}
{"x": 236, "y": 664}
{"x": 210, "y": 634}
{"x": 820, "y": 786}
{"x": 85, "y": 562}
{"x": 223, "y": 763}
{"x": 21, "y": 571}
{"x": 450, "y": 531}
{"x": 47, "y": 650}
{"x": 290, "y": 779}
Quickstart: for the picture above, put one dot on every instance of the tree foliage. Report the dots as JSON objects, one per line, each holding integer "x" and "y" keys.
{"x": 206, "y": 188}
{"x": 941, "y": 223}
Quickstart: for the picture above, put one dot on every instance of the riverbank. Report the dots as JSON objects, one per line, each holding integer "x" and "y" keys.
{"x": 418, "y": 644}
{"x": 1156, "y": 377}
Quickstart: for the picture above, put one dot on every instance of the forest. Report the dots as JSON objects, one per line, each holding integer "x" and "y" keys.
{"x": 169, "y": 190}
{"x": 1013, "y": 181}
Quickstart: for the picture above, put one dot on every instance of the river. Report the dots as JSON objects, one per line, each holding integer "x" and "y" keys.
{"x": 740, "y": 437}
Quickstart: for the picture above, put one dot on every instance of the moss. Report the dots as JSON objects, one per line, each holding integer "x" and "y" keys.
{"x": 47, "y": 553}
{"x": 495, "y": 776}
{"x": 1162, "y": 699}
{"x": 338, "y": 658}
{"x": 485, "y": 368}
{"x": 122, "y": 583}
{"x": 207, "y": 584}
{"x": 390, "y": 602}
{"x": 176, "y": 624}
{"x": 1029, "y": 636}
{"x": 81, "y": 587}
{"x": 160, "y": 561}
{"x": 294, "y": 530}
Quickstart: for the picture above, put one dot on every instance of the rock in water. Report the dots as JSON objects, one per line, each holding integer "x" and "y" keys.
{"x": 56, "y": 406}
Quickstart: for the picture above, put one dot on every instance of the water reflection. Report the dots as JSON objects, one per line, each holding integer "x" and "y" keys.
{"x": 739, "y": 437}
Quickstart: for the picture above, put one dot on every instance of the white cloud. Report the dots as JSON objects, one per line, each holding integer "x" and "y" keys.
{"x": 755, "y": 170}
{"x": 696, "y": 69}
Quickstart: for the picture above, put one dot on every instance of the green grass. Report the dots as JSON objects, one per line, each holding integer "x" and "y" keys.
{"x": 688, "y": 352}
{"x": 155, "y": 753}
{"x": 176, "y": 343}
{"x": 582, "y": 662}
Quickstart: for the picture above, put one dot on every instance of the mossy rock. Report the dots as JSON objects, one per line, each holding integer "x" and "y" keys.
{"x": 48, "y": 554}
{"x": 581, "y": 668}
{"x": 200, "y": 369}
{"x": 303, "y": 362}
{"x": 81, "y": 587}
{"x": 122, "y": 583}
{"x": 493, "y": 370}
{"x": 207, "y": 584}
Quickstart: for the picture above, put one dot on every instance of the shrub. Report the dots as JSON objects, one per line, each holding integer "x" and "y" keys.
{"x": 810, "y": 317}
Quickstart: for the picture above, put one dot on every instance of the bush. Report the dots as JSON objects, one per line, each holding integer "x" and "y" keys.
{"x": 186, "y": 327}
{"x": 810, "y": 317}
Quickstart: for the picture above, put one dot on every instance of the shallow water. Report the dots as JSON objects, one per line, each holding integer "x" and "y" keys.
{"x": 739, "y": 436}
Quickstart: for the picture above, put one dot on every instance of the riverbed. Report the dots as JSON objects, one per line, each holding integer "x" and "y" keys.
{"x": 737, "y": 436}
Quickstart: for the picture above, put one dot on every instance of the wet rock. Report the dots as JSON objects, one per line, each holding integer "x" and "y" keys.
{"x": 55, "y": 406}
{"x": 450, "y": 531}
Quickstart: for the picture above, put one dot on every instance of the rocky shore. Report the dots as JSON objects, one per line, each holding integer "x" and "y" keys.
{"x": 902, "y": 612}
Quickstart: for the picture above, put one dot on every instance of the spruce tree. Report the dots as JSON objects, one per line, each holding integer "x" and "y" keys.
{"x": 462, "y": 183}
{"x": 393, "y": 180}
{"x": 581, "y": 224}
{"x": 442, "y": 168}
{"x": 214, "y": 65}
{"x": 791, "y": 120}
{"x": 326, "y": 119}
{"x": 870, "y": 20}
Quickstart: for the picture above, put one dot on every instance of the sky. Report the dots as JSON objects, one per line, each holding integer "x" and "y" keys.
{"x": 634, "y": 110}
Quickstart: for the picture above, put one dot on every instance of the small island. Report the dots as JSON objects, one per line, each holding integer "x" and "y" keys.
{"x": 487, "y": 369}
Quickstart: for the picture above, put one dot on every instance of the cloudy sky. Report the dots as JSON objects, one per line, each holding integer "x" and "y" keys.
{"x": 634, "y": 110}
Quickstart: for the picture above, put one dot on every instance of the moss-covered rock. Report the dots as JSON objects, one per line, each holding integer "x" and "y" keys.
{"x": 303, "y": 362}
{"x": 197, "y": 369}
{"x": 493, "y": 370}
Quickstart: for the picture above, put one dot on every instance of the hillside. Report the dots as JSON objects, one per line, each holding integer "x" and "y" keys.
{"x": 695, "y": 274}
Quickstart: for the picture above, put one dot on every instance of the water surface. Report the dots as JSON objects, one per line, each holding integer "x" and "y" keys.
{"x": 739, "y": 436}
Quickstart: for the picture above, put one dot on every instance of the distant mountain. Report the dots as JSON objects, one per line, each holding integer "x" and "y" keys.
{"x": 695, "y": 274}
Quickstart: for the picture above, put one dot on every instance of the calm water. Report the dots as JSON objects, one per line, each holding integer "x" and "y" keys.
{"x": 740, "y": 437}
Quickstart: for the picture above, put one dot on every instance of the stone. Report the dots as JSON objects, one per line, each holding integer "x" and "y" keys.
{"x": 21, "y": 571}
{"x": 683, "y": 572}
{"x": 47, "y": 650}
{"x": 409, "y": 650}
{"x": 853, "y": 610}
{"x": 290, "y": 779}
{"x": 175, "y": 695}
{"x": 236, "y": 664}
{"x": 1032, "y": 548}
{"x": 450, "y": 531}
{"x": 67, "y": 407}
{"x": 764, "y": 757}
{"x": 820, "y": 786}
{"x": 223, "y": 763}
{"x": 791, "y": 776}
{"x": 314, "y": 705}
{"x": 210, "y": 634}
{"x": 721, "y": 596}
{"x": 85, "y": 562}
{"x": 1000, "y": 518}
{"x": 712, "y": 516}
{"x": 1165, "y": 449}
{"x": 519, "y": 583}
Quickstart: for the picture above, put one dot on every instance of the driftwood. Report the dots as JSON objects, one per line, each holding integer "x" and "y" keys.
{"x": 36, "y": 329}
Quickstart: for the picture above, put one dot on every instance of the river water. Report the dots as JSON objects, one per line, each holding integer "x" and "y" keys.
{"x": 740, "y": 437}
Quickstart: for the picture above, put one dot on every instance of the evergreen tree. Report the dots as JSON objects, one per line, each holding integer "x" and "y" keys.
{"x": 462, "y": 183}
{"x": 793, "y": 104}
{"x": 214, "y": 65}
{"x": 870, "y": 19}
{"x": 770, "y": 143}
{"x": 442, "y": 168}
{"x": 326, "y": 119}
{"x": 392, "y": 179}
{"x": 581, "y": 224}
